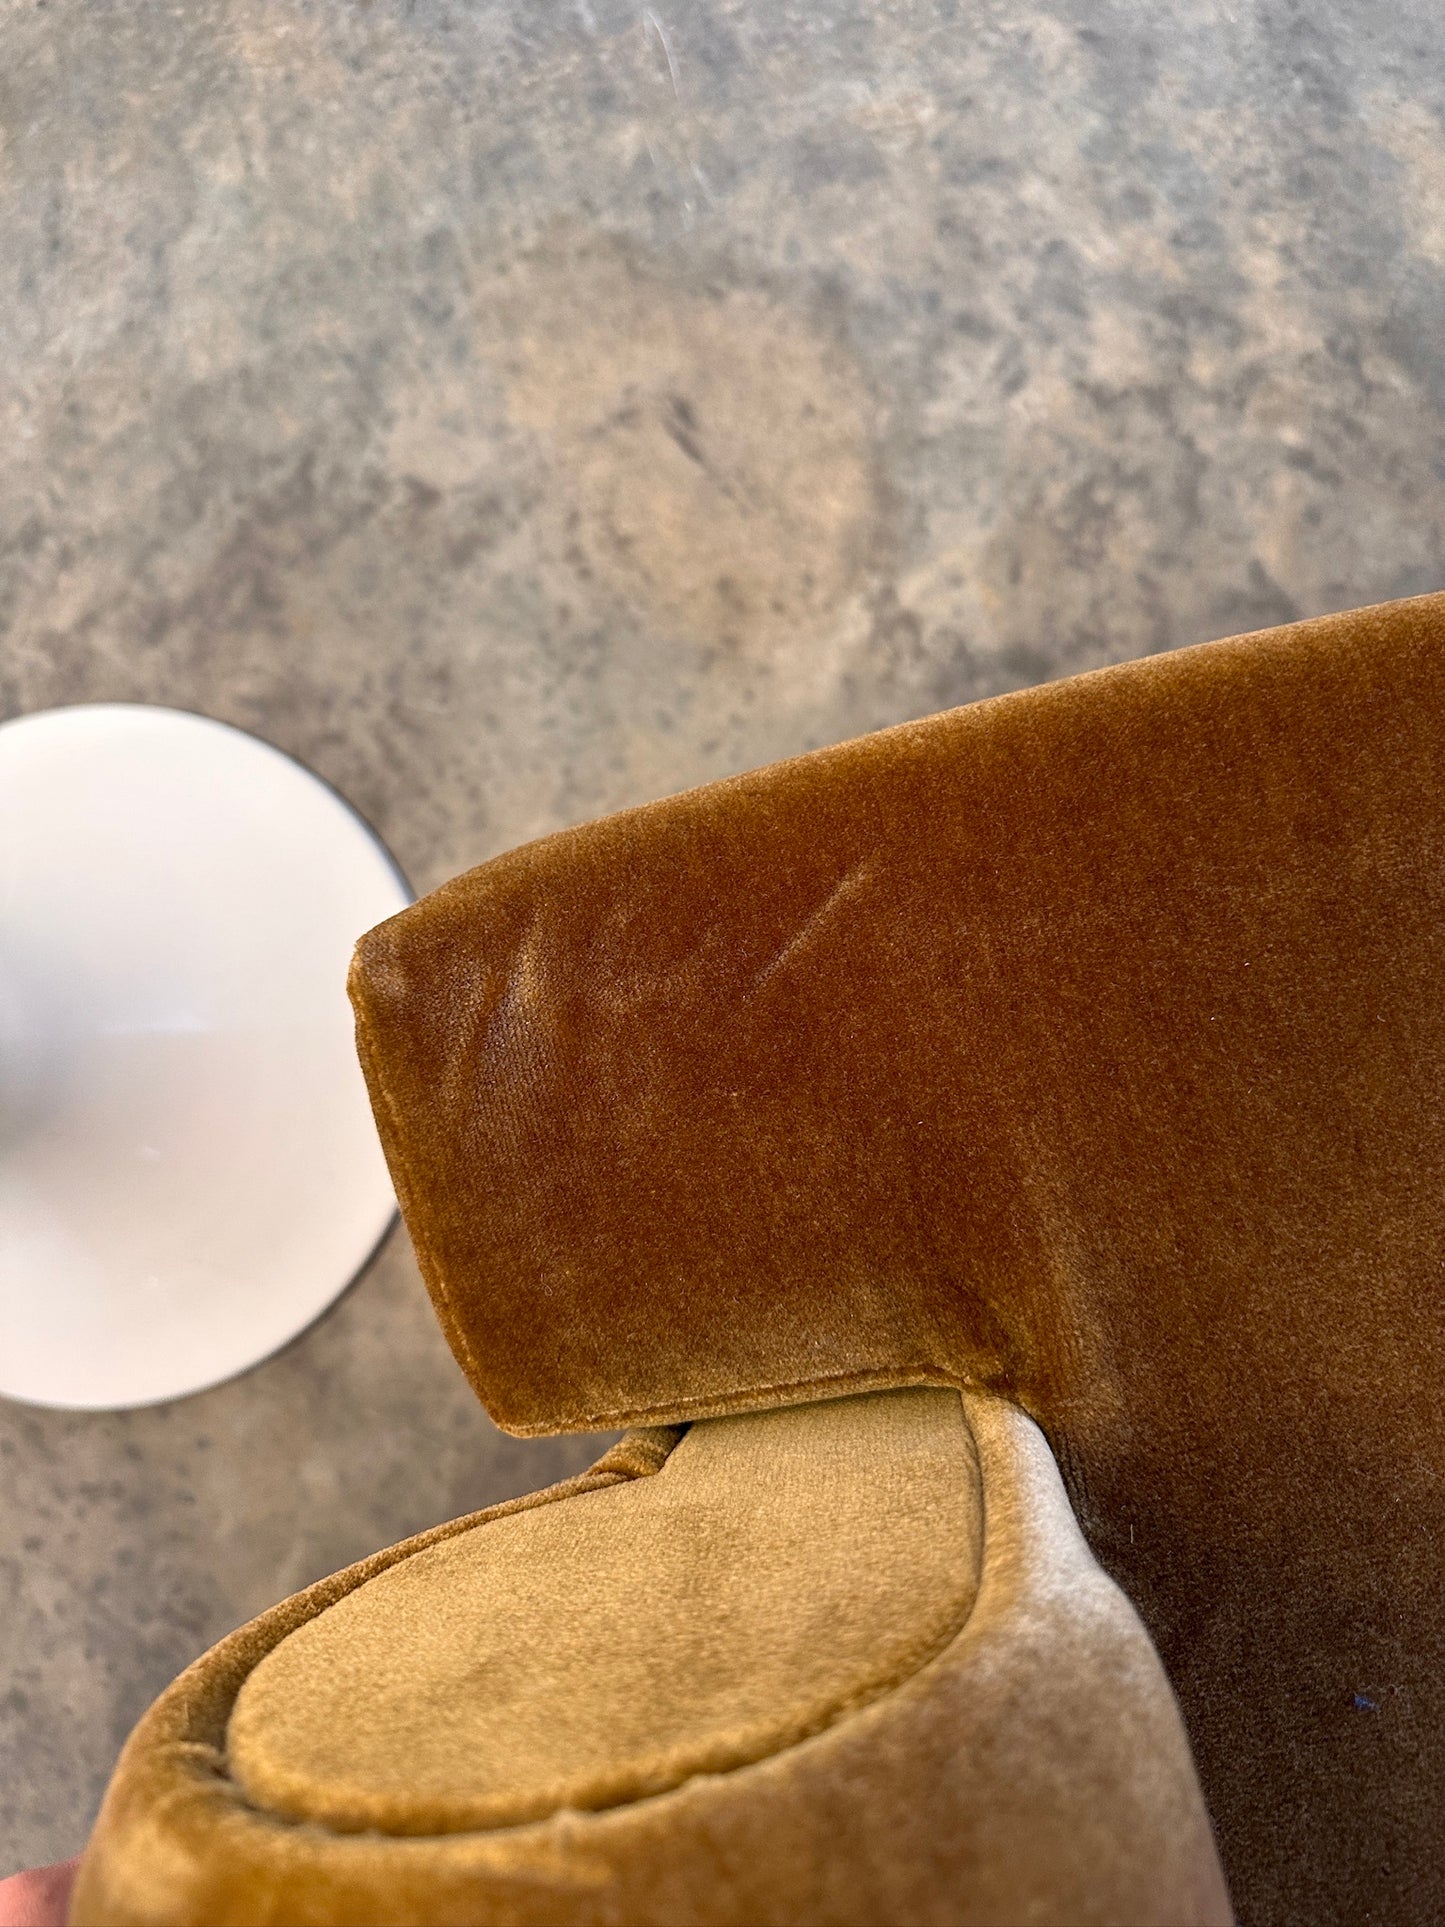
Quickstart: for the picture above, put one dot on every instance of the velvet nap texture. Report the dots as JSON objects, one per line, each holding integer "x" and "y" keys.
{"x": 780, "y": 1570}
{"x": 1002, "y": 1747}
{"x": 1086, "y": 1046}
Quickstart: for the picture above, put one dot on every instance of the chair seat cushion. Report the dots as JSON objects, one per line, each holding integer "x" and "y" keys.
{"x": 779, "y": 1571}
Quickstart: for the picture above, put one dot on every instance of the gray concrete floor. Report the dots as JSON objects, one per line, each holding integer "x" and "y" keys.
{"x": 518, "y": 411}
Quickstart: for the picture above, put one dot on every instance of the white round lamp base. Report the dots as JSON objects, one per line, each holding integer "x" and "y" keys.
{"x": 189, "y": 1173}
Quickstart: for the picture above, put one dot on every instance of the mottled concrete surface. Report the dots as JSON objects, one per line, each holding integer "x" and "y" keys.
{"x": 520, "y": 411}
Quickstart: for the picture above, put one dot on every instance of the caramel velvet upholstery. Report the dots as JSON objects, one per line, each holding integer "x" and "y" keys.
{"x": 992, "y": 1741}
{"x": 1086, "y": 1046}
{"x": 780, "y": 1570}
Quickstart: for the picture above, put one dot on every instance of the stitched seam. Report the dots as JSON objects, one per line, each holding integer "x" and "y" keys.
{"x": 844, "y": 1710}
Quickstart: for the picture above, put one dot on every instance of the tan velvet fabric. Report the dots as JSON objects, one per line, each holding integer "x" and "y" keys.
{"x": 782, "y": 1569}
{"x": 1088, "y": 1046}
{"x": 1034, "y": 1769}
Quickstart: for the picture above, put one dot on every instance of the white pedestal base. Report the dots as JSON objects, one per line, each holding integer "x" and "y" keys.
{"x": 189, "y": 1172}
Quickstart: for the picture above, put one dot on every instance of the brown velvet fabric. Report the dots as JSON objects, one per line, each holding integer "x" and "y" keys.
{"x": 1088, "y": 1046}
{"x": 1034, "y": 1768}
{"x": 782, "y": 1569}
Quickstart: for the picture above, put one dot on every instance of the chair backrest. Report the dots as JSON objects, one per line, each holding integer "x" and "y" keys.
{"x": 1087, "y": 1046}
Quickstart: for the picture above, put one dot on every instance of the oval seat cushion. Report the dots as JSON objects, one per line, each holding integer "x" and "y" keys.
{"x": 782, "y": 1569}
